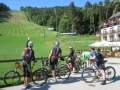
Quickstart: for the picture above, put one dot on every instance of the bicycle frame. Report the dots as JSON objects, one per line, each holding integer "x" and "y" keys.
{"x": 94, "y": 65}
{"x": 19, "y": 66}
{"x": 47, "y": 64}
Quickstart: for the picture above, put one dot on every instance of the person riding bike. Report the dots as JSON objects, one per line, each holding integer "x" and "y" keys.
{"x": 55, "y": 53}
{"x": 71, "y": 63}
{"x": 93, "y": 56}
{"x": 27, "y": 56}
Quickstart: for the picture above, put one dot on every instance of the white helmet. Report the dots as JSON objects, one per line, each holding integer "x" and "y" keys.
{"x": 92, "y": 47}
{"x": 30, "y": 43}
{"x": 57, "y": 43}
{"x": 70, "y": 47}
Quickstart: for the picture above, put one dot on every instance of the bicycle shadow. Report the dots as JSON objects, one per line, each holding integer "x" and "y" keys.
{"x": 117, "y": 78}
{"x": 71, "y": 79}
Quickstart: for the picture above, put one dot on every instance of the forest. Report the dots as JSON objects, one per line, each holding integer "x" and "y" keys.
{"x": 82, "y": 20}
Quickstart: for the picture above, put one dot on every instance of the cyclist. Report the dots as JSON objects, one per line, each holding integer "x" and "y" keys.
{"x": 71, "y": 63}
{"x": 84, "y": 58}
{"x": 100, "y": 65}
{"x": 27, "y": 56}
{"x": 55, "y": 53}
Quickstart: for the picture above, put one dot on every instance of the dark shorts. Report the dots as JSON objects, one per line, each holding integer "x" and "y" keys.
{"x": 100, "y": 65}
{"x": 26, "y": 72}
{"x": 72, "y": 62}
{"x": 53, "y": 63}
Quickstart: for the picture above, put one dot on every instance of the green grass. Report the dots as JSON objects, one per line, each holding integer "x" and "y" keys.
{"x": 14, "y": 30}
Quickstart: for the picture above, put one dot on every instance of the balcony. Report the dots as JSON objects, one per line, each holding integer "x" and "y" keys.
{"x": 116, "y": 31}
{"x": 112, "y": 40}
{"x": 117, "y": 40}
{"x": 104, "y": 33}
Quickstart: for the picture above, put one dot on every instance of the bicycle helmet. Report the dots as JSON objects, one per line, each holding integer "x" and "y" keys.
{"x": 30, "y": 43}
{"x": 92, "y": 47}
{"x": 70, "y": 47}
{"x": 57, "y": 43}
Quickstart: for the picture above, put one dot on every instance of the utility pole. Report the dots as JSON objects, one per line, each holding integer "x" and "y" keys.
{"x": 56, "y": 22}
{"x": 43, "y": 27}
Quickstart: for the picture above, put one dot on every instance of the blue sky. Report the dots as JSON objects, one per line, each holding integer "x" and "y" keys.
{"x": 16, "y": 4}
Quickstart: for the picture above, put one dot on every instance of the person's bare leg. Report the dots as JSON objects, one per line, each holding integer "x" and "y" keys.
{"x": 27, "y": 80}
{"x": 74, "y": 69}
{"x": 24, "y": 80}
{"x": 88, "y": 64}
{"x": 103, "y": 74}
{"x": 54, "y": 74}
{"x": 104, "y": 77}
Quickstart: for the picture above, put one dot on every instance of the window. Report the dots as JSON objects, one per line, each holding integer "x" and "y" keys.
{"x": 105, "y": 38}
{"x": 119, "y": 28}
{"x": 111, "y": 30}
{"x": 104, "y": 31}
{"x": 111, "y": 37}
{"x": 119, "y": 19}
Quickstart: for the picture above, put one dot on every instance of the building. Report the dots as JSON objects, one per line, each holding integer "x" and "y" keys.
{"x": 110, "y": 29}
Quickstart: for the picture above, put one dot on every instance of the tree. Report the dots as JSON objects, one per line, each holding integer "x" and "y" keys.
{"x": 72, "y": 15}
{"x": 116, "y": 5}
{"x": 65, "y": 25}
{"x": 87, "y": 4}
{"x": 107, "y": 6}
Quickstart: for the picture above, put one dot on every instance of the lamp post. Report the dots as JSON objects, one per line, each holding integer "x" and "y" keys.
{"x": 43, "y": 26}
{"x": 56, "y": 22}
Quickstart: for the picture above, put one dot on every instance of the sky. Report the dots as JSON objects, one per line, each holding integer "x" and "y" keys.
{"x": 16, "y": 4}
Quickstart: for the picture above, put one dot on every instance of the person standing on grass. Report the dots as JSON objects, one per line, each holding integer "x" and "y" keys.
{"x": 97, "y": 57}
{"x": 55, "y": 53}
{"x": 27, "y": 56}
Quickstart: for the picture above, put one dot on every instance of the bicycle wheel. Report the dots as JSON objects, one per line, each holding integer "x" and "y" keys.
{"x": 63, "y": 72}
{"x": 88, "y": 75}
{"x": 110, "y": 73}
{"x": 77, "y": 66}
{"x": 39, "y": 77}
{"x": 11, "y": 78}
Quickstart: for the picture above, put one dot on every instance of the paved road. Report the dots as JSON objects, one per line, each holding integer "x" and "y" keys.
{"x": 75, "y": 82}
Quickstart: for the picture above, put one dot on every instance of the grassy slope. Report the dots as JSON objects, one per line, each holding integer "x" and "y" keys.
{"x": 16, "y": 30}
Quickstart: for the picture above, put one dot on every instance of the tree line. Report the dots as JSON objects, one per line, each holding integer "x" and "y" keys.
{"x": 82, "y": 20}
{"x": 4, "y": 7}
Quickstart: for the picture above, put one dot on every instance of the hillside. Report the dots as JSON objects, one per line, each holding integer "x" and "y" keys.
{"x": 14, "y": 30}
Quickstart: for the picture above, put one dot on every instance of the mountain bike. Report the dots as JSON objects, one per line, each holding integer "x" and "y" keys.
{"x": 78, "y": 64}
{"x": 61, "y": 71}
{"x": 13, "y": 77}
{"x": 89, "y": 74}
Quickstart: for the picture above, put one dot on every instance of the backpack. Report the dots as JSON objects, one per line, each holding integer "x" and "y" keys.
{"x": 99, "y": 57}
{"x": 26, "y": 55}
{"x": 74, "y": 56}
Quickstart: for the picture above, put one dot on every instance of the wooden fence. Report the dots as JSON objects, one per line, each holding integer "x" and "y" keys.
{"x": 14, "y": 60}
